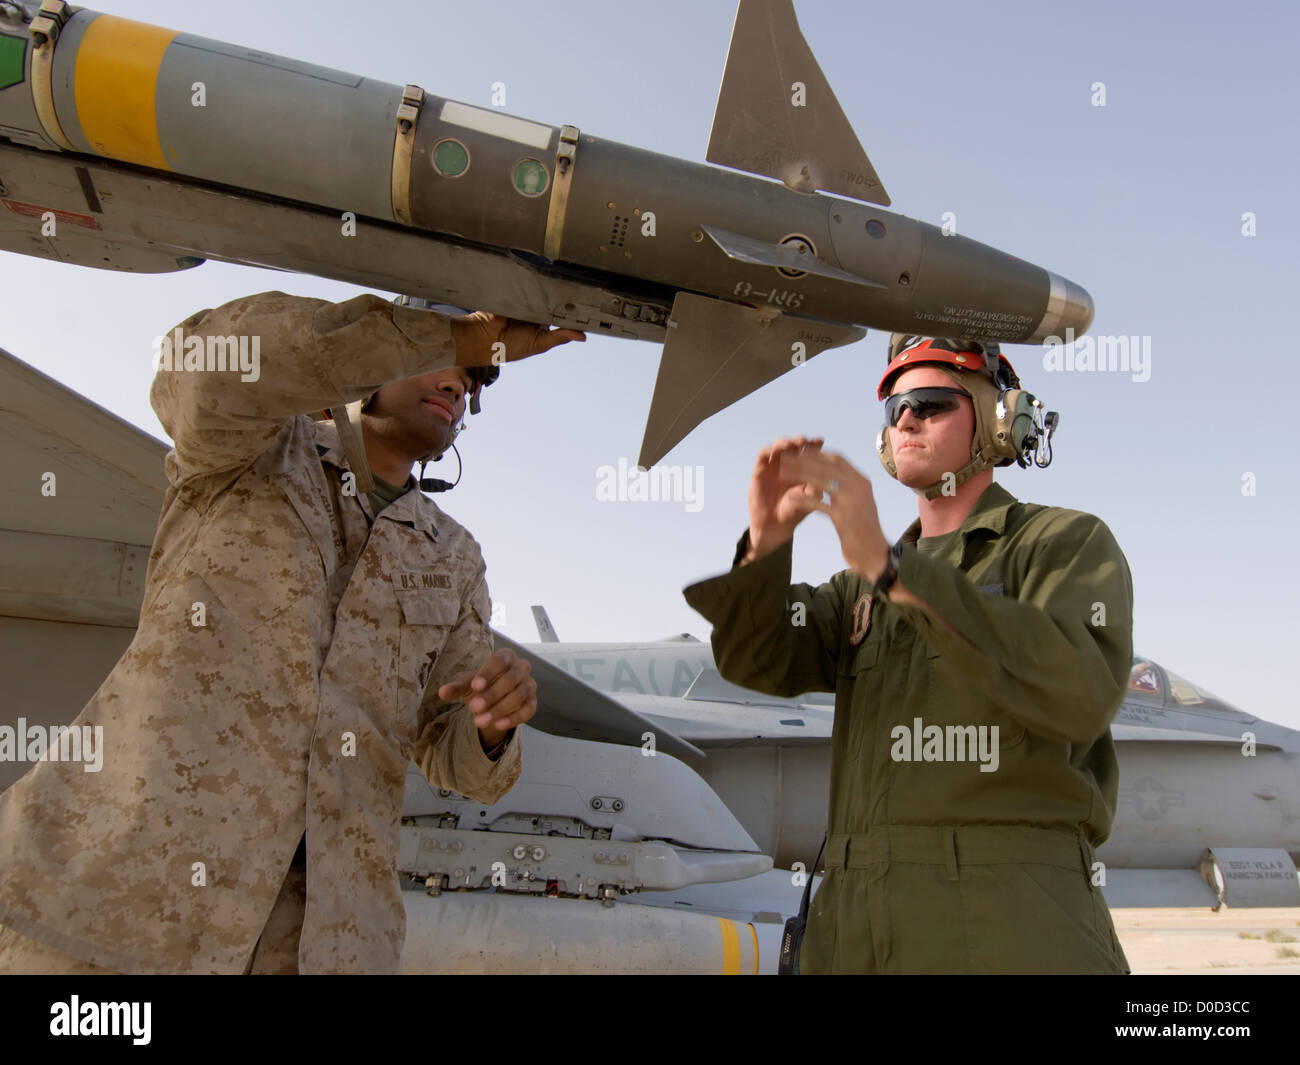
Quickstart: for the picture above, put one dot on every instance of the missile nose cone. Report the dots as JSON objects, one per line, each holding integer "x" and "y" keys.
{"x": 1068, "y": 307}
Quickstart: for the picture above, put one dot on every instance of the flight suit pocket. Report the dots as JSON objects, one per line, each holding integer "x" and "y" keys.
{"x": 857, "y": 687}
{"x": 864, "y": 657}
{"x": 948, "y": 704}
{"x": 1034, "y": 918}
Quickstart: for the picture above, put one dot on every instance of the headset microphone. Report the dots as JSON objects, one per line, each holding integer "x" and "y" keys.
{"x": 433, "y": 484}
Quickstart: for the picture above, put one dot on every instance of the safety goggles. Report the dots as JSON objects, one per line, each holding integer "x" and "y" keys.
{"x": 922, "y": 402}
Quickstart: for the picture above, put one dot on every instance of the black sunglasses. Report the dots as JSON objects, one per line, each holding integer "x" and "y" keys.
{"x": 922, "y": 402}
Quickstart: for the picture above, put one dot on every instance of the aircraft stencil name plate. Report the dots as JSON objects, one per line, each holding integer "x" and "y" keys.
{"x": 453, "y": 859}
{"x": 1252, "y": 876}
{"x": 1141, "y": 715}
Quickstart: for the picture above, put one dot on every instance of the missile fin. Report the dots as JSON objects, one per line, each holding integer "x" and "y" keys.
{"x": 719, "y": 352}
{"x": 777, "y": 115}
{"x": 783, "y": 256}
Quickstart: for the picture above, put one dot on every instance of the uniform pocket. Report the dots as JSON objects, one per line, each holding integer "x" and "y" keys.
{"x": 864, "y": 657}
{"x": 1033, "y": 918}
{"x": 423, "y": 608}
{"x": 253, "y": 551}
{"x": 428, "y": 616}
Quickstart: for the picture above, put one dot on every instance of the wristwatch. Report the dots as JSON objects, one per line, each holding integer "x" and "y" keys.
{"x": 889, "y": 575}
{"x": 499, "y": 748}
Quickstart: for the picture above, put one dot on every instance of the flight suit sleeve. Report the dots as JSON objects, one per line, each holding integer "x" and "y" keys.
{"x": 447, "y": 747}
{"x": 1057, "y": 657}
{"x": 768, "y": 634}
{"x": 284, "y": 356}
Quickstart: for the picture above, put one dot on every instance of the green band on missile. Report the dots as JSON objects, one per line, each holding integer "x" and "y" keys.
{"x": 12, "y": 52}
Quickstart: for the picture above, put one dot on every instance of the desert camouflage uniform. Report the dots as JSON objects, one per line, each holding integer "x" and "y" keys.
{"x": 326, "y": 628}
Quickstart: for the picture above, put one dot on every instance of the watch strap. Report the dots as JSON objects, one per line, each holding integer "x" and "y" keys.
{"x": 889, "y": 576}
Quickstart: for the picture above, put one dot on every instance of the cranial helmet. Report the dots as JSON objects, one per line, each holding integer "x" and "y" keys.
{"x": 1010, "y": 424}
{"x": 480, "y": 376}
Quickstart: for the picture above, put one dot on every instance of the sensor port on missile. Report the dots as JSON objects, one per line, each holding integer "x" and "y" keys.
{"x": 804, "y": 246}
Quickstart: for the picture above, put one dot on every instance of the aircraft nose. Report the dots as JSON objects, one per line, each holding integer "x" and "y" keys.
{"x": 1068, "y": 307}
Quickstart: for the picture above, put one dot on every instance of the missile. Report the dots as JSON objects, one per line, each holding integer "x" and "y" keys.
{"x": 130, "y": 147}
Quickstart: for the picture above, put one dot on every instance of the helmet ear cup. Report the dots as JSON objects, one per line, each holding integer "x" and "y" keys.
{"x": 1015, "y": 429}
{"x": 885, "y": 452}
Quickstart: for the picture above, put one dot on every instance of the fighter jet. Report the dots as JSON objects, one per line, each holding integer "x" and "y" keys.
{"x": 128, "y": 147}
{"x": 1208, "y": 795}
{"x": 665, "y": 819}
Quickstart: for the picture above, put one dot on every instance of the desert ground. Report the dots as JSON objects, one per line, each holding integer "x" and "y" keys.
{"x": 1197, "y": 940}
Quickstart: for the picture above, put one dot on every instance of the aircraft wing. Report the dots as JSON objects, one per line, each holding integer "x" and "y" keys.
{"x": 80, "y": 491}
{"x": 77, "y": 483}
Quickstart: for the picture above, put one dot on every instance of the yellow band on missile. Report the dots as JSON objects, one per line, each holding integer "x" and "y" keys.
{"x": 730, "y": 947}
{"x": 754, "y": 936}
{"x": 116, "y": 79}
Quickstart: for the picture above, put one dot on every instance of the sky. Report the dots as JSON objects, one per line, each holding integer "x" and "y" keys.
{"x": 986, "y": 111}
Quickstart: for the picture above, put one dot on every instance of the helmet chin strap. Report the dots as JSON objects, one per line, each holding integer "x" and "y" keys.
{"x": 976, "y": 465}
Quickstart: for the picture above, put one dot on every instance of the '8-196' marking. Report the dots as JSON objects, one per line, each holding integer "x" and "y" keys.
{"x": 782, "y": 297}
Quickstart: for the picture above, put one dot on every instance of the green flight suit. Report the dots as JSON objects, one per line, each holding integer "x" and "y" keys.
{"x": 944, "y": 856}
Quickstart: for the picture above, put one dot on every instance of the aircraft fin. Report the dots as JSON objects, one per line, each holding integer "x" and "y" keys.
{"x": 719, "y": 352}
{"x": 567, "y": 706}
{"x": 776, "y": 113}
{"x": 545, "y": 630}
{"x": 784, "y": 256}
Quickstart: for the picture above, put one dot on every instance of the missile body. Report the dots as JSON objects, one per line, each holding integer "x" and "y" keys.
{"x": 641, "y": 237}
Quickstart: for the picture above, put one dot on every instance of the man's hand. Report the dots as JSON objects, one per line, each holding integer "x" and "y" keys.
{"x": 500, "y": 695}
{"x": 489, "y": 340}
{"x": 852, "y": 505}
{"x": 777, "y": 505}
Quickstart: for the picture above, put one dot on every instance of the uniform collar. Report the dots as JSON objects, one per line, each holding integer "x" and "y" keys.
{"x": 411, "y": 509}
{"x": 990, "y": 512}
{"x": 328, "y": 447}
